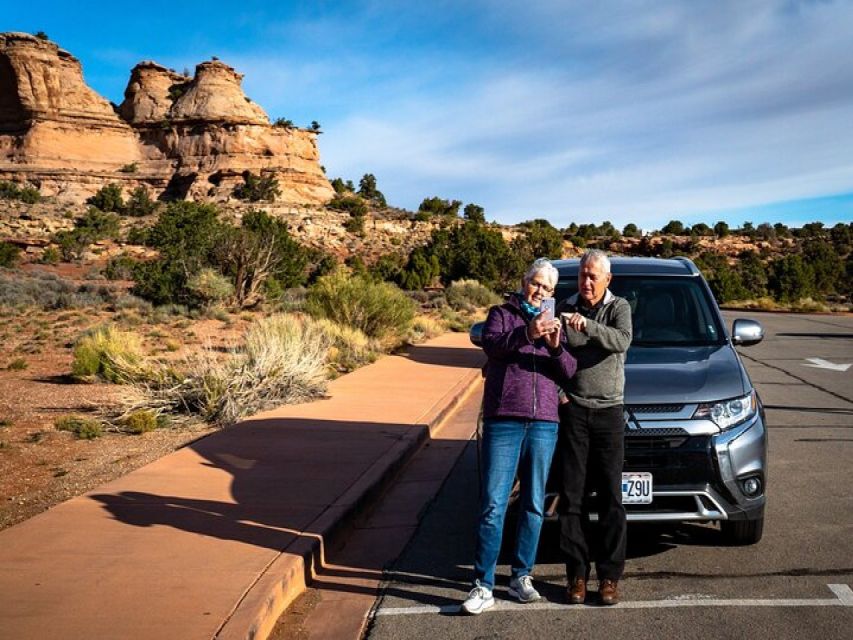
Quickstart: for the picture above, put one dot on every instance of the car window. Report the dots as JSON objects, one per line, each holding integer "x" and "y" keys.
{"x": 664, "y": 311}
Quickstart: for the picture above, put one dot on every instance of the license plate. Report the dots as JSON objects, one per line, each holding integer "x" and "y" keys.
{"x": 637, "y": 488}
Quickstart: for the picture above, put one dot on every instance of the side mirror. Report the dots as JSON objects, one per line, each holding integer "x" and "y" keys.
{"x": 747, "y": 332}
{"x": 476, "y": 333}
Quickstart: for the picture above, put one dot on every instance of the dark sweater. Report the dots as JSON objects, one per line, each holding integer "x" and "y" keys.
{"x": 600, "y": 351}
{"x": 522, "y": 377}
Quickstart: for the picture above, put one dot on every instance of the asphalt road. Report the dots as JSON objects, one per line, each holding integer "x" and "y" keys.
{"x": 681, "y": 582}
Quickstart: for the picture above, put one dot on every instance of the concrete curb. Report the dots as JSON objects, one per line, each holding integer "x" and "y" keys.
{"x": 292, "y": 571}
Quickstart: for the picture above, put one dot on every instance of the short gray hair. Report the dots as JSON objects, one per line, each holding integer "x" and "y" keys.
{"x": 597, "y": 256}
{"x": 542, "y": 265}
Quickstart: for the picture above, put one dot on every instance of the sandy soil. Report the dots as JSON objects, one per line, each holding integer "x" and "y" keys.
{"x": 41, "y": 466}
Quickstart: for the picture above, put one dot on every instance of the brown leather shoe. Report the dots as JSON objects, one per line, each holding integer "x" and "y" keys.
{"x": 576, "y": 591}
{"x": 608, "y": 590}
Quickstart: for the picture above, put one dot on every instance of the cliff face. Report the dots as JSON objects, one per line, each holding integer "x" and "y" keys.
{"x": 179, "y": 136}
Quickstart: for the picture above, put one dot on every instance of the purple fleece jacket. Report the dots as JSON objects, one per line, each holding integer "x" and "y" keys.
{"x": 522, "y": 377}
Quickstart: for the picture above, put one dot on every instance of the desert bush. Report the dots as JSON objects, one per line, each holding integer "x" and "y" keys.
{"x": 9, "y": 254}
{"x": 261, "y": 257}
{"x": 457, "y": 321}
{"x": 350, "y": 348}
{"x": 83, "y": 428}
{"x": 187, "y": 235}
{"x": 26, "y": 194}
{"x": 49, "y": 291}
{"x": 257, "y": 188}
{"x": 425, "y": 328}
{"x": 131, "y": 167}
{"x": 94, "y": 225}
{"x": 282, "y": 360}
{"x": 470, "y": 294}
{"x": 108, "y": 354}
{"x": 108, "y": 198}
{"x": 436, "y": 206}
{"x": 379, "y": 309}
{"x": 210, "y": 286}
{"x": 353, "y": 205}
{"x": 50, "y": 256}
{"x": 120, "y": 267}
{"x": 140, "y": 203}
{"x": 139, "y": 422}
{"x": 355, "y": 225}
{"x": 18, "y": 364}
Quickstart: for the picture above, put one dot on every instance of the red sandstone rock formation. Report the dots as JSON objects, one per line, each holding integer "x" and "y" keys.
{"x": 179, "y": 136}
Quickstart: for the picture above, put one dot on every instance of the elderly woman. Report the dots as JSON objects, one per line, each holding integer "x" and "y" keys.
{"x": 527, "y": 362}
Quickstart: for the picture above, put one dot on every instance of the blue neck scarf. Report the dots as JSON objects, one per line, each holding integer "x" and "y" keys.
{"x": 527, "y": 309}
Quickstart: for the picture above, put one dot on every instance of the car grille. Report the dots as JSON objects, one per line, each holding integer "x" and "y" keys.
{"x": 655, "y": 408}
{"x": 673, "y": 460}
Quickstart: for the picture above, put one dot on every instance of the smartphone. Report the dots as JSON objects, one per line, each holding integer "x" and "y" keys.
{"x": 547, "y": 308}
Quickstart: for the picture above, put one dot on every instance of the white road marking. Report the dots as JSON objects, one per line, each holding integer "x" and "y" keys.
{"x": 820, "y": 363}
{"x": 843, "y": 593}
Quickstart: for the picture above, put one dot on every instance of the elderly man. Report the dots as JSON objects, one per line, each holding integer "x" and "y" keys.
{"x": 592, "y": 430}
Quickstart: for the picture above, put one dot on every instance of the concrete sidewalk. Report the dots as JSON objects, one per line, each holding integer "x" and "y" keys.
{"x": 214, "y": 540}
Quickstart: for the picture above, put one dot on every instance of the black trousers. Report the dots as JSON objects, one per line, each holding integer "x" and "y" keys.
{"x": 592, "y": 447}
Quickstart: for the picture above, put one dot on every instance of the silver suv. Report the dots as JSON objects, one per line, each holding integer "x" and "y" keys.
{"x": 695, "y": 437}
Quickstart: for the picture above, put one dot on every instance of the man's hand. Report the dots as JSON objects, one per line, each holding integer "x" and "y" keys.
{"x": 575, "y": 321}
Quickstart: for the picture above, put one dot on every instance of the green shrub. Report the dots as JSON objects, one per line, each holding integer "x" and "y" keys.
{"x": 8, "y": 190}
{"x": 18, "y": 364}
{"x": 439, "y": 207}
{"x": 120, "y": 267}
{"x": 355, "y": 225}
{"x": 139, "y": 422}
{"x": 353, "y": 205}
{"x": 50, "y": 256}
{"x": 9, "y": 254}
{"x": 379, "y": 309}
{"x": 29, "y": 195}
{"x": 94, "y": 225}
{"x": 257, "y": 188}
{"x": 83, "y": 428}
{"x": 26, "y": 194}
{"x": 140, "y": 203}
{"x": 210, "y": 286}
{"x": 108, "y": 198}
{"x": 468, "y": 294}
{"x": 187, "y": 235}
{"x": 131, "y": 167}
{"x": 108, "y": 354}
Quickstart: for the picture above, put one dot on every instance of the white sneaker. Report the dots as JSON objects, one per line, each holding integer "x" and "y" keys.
{"x": 522, "y": 589}
{"x": 479, "y": 599}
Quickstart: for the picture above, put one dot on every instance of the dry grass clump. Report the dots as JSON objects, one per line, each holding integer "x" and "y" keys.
{"x": 83, "y": 428}
{"x": 425, "y": 328}
{"x": 350, "y": 348}
{"x": 469, "y": 295}
{"x": 282, "y": 361}
{"x": 108, "y": 354}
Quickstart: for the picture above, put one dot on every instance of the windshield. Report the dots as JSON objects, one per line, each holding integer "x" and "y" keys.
{"x": 665, "y": 311}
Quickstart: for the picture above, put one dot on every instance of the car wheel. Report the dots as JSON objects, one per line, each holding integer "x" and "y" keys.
{"x": 742, "y": 532}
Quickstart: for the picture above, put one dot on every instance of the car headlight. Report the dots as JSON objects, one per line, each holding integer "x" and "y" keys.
{"x": 728, "y": 413}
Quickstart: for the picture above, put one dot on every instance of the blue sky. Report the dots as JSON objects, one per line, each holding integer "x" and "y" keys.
{"x": 627, "y": 111}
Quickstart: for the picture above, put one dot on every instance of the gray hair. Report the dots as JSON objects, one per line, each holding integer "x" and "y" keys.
{"x": 542, "y": 265}
{"x": 597, "y": 256}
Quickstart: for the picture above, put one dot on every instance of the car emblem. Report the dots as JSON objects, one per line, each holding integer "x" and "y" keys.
{"x": 631, "y": 423}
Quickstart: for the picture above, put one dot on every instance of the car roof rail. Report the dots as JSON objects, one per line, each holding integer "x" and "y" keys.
{"x": 688, "y": 263}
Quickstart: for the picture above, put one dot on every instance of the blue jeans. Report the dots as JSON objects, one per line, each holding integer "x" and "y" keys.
{"x": 511, "y": 446}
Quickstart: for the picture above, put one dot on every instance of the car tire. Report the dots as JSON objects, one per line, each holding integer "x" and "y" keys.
{"x": 739, "y": 533}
